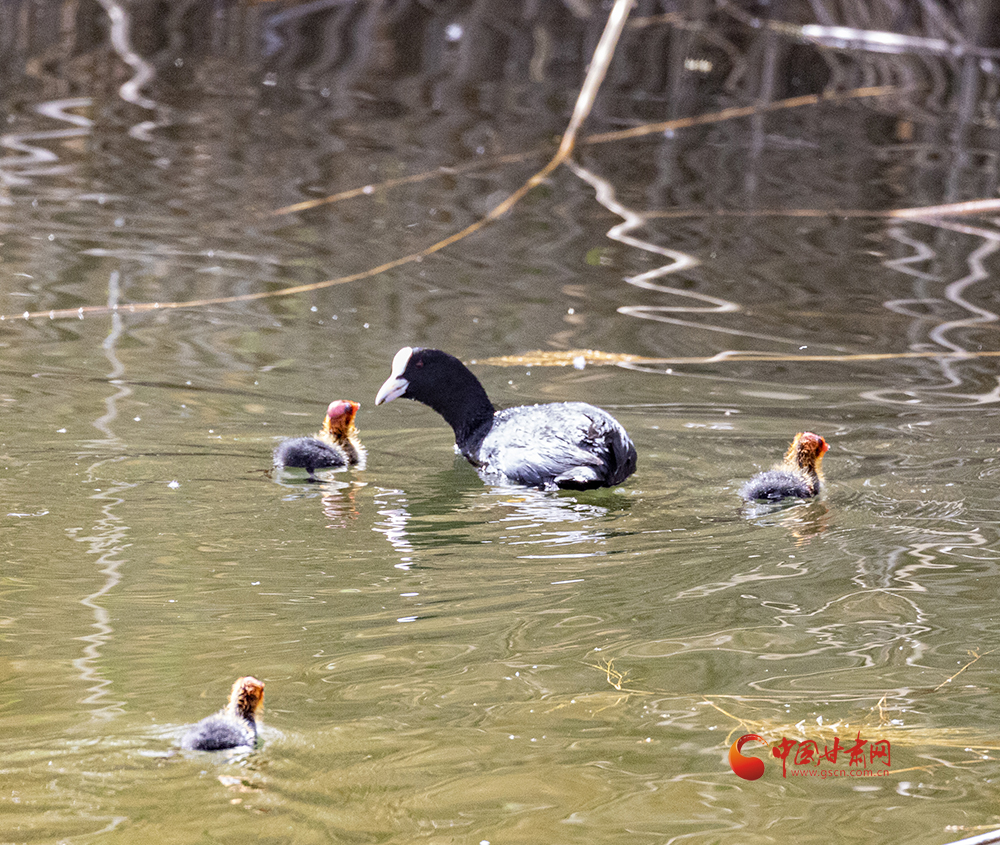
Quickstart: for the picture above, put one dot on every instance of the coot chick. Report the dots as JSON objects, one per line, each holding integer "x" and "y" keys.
{"x": 336, "y": 445}
{"x": 798, "y": 475}
{"x": 233, "y": 726}
{"x": 569, "y": 445}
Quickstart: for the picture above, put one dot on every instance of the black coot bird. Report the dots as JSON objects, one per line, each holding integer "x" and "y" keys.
{"x": 337, "y": 445}
{"x": 569, "y": 445}
{"x": 797, "y": 476}
{"x": 235, "y": 725}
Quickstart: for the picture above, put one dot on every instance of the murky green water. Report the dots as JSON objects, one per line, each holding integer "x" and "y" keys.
{"x": 446, "y": 661}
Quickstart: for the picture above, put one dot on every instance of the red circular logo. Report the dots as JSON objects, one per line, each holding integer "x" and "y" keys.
{"x": 748, "y": 768}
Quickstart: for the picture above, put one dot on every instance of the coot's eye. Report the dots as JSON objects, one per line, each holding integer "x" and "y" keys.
{"x": 420, "y": 363}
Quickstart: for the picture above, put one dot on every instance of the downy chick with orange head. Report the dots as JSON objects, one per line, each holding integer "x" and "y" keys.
{"x": 235, "y": 725}
{"x": 797, "y": 476}
{"x": 336, "y": 445}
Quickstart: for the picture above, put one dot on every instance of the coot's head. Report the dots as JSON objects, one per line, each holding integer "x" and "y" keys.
{"x": 339, "y": 420}
{"x": 428, "y": 376}
{"x": 409, "y": 375}
{"x": 807, "y": 451}
{"x": 442, "y": 382}
{"x": 247, "y": 698}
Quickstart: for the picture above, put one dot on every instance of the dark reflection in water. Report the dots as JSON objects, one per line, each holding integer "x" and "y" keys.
{"x": 445, "y": 514}
{"x": 740, "y": 249}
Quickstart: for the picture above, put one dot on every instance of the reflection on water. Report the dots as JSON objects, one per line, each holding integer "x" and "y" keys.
{"x": 108, "y": 542}
{"x": 109, "y": 538}
{"x": 392, "y": 508}
{"x": 443, "y": 655}
{"x": 511, "y": 516}
{"x": 802, "y": 521}
{"x": 131, "y": 91}
{"x": 33, "y": 163}
{"x": 536, "y": 518}
{"x": 951, "y": 334}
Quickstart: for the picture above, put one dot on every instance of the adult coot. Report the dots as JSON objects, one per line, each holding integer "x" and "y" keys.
{"x": 235, "y": 725}
{"x": 336, "y": 445}
{"x": 564, "y": 444}
{"x": 798, "y": 475}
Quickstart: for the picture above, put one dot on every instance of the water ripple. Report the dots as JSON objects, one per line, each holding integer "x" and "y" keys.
{"x": 14, "y": 170}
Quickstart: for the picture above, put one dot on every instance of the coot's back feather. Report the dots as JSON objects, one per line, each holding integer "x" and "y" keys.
{"x": 568, "y": 444}
{"x": 562, "y": 444}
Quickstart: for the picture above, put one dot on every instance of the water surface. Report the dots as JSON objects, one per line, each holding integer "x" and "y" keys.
{"x": 448, "y": 661}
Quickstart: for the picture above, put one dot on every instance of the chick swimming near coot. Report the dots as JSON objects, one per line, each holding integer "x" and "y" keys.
{"x": 569, "y": 445}
{"x": 235, "y": 725}
{"x": 797, "y": 476}
{"x": 337, "y": 445}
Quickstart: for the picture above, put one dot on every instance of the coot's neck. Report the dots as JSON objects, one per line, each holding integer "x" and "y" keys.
{"x": 463, "y": 403}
